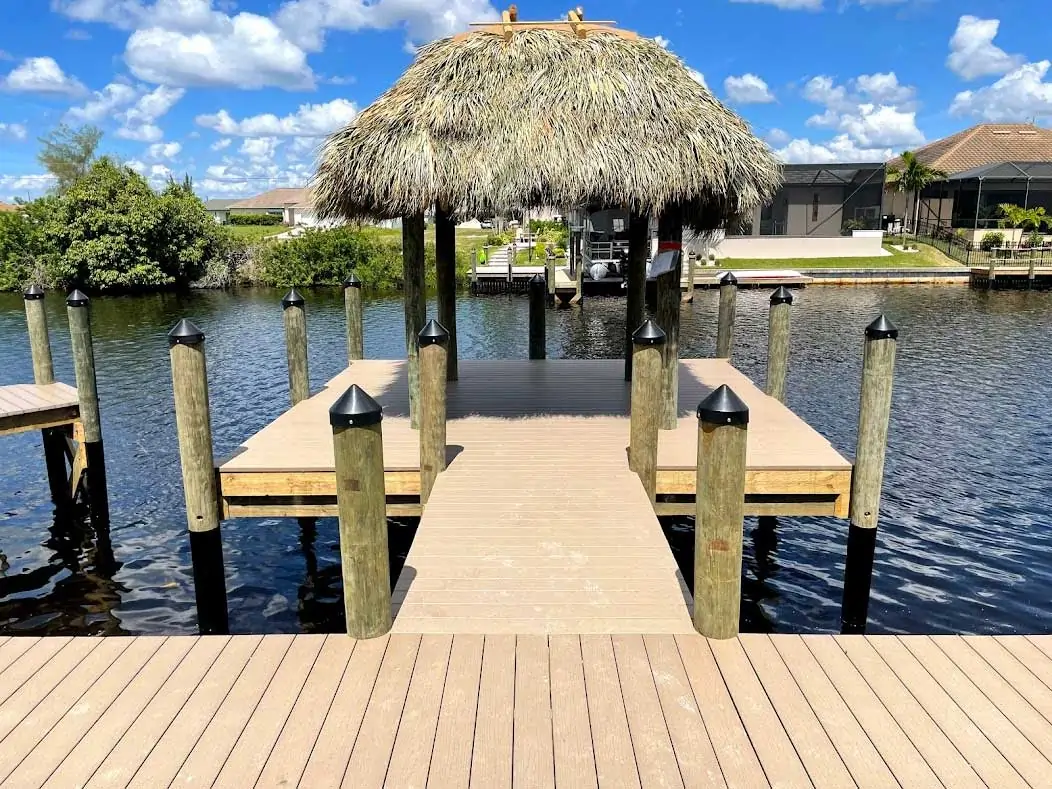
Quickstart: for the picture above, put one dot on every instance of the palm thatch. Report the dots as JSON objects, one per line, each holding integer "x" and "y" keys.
{"x": 485, "y": 125}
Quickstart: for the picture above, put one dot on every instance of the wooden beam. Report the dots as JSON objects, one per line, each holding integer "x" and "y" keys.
{"x": 38, "y": 420}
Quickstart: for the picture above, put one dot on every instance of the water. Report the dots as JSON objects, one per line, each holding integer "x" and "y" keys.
{"x": 964, "y": 543}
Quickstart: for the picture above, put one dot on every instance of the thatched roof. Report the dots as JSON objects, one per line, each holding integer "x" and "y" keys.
{"x": 486, "y": 123}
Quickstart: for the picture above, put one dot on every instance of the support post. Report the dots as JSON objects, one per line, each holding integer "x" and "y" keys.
{"x": 446, "y": 283}
{"x": 352, "y": 304}
{"x": 358, "y": 446}
{"x": 52, "y": 438}
{"x": 549, "y": 274}
{"x": 576, "y": 241}
{"x": 723, "y": 421}
{"x": 296, "y": 345}
{"x": 415, "y": 306}
{"x": 778, "y": 342}
{"x": 728, "y": 307}
{"x": 78, "y": 309}
{"x": 193, "y": 424}
{"x": 434, "y": 356}
{"x": 670, "y": 237}
{"x": 537, "y": 331}
{"x": 648, "y": 343}
{"x": 635, "y": 293}
{"x": 688, "y": 293}
{"x": 878, "y": 369}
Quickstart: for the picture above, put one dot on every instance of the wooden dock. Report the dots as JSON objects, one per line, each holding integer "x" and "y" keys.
{"x": 36, "y": 407}
{"x": 495, "y": 711}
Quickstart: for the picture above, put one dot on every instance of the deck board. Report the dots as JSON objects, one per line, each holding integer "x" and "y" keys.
{"x": 534, "y": 710}
{"x": 28, "y": 406}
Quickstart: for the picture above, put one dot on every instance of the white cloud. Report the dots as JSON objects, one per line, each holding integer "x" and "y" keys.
{"x": 697, "y": 76}
{"x": 778, "y": 137}
{"x": 788, "y": 5}
{"x": 41, "y": 75}
{"x": 12, "y": 186}
{"x": 15, "y": 131}
{"x": 662, "y": 42}
{"x": 104, "y": 103}
{"x": 138, "y": 122}
{"x": 973, "y": 52}
{"x": 219, "y": 145}
{"x": 310, "y": 120}
{"x": 885, "y": 89}
{"x": 163, "y": 150}
{"x": 1019, "y": 96}
{"x": 839, "y": 149}
{"x": 824, "y": 90}
{"x": 259, "y": 150}
{"x": 185, "y": 15}
{"x": 747, "y": 89}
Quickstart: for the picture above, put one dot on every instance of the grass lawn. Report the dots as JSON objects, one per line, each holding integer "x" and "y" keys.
{"x": 253, "y": 233}
{"x": 467, "y": 239}
{"x": 926, "y": 257}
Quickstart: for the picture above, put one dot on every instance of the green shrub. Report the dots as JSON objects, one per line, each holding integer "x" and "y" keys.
{"x": 1034, "y": 239}
{"x": 992, "y": 240}
{"x": 499, "y": 239}
{"x": 255, "y": 219}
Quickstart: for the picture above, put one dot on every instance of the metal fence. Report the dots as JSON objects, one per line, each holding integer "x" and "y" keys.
{"x": 963, "y": 251}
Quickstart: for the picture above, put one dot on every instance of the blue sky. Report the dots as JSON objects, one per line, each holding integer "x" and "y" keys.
{"x": 239, "y": 94}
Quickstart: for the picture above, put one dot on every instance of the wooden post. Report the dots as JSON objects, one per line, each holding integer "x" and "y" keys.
{"x": 52, "y": 438}
{"x": 474, "y": 270}
{"x": 575, "y": 242}
{"x": 511, "y": 263}
{"x": 537, "y": 332}
{"x": 415, "y": 303}
{"x": 358, "y": 446}
{"x": 688, "y": 294}
{"x": 778, "y": 343}
{"x": 352, "y": 304}
{"x": 434, "y": 346}
{"x": 728, "y": 306}
{"x": 549, "y": 275}
{"x": 878, "y": 369}
{"x": 446, "y": 280}
{"x": 78, "y": 310}
{"x": 296, "y": 345}
{"x": 193, "y": 424}
{"x": 635, "y": 293}
{"x": 647, "y": 405}
{"x": 723, "y": 421}
{"x": 670, "y": 238}
{"x": 992, "y": 275}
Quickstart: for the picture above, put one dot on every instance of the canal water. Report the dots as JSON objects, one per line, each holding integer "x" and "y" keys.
{"x": 965, "y": 543}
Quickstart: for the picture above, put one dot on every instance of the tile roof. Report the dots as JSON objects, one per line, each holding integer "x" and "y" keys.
{"x": 275, "y": 198}
{"x": 218, "y": 204}
{"x": 985, "y": 144}
{"x": 8, "y": 207}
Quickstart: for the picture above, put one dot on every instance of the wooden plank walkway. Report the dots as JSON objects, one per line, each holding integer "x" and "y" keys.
{"x": 528, "y": 711}
{"x": 33, "y": 406}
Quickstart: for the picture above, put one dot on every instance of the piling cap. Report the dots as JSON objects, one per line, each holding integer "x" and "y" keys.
{"x": 33, "y": 293}
{"x": 76, "y": 299}
{"x": 882, "y": 329}
{"x": 648, "y": 334}
{"x": 433, "y": 334}
{"x": 352, "y": 281}
{"x": 536, "y": 281}
{"x": 185, "y": 333}
{"x": 355, "y": 408}
{"x": 782, "y": 296}
{"x": 723, "y": 407}
{"x": 729, "y": 279}
{"x": 292, "y": 299}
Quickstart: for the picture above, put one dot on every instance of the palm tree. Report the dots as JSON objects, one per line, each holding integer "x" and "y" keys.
{"x": 912, "y": 178}
{"x": 1025, "y": 219}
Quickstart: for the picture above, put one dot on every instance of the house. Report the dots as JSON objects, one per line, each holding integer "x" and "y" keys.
{"x": 986, "y": 165}
{"x": 8, "y": 207}
{"x": 276, "y": 202}
{"x": 219, "y": 209}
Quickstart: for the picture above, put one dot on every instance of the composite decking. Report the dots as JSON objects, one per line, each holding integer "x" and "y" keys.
{"x": 495, "y": 711}
{"x": 34, "y": 406}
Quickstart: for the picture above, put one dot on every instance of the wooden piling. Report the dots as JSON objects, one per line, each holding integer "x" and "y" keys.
{"x": 723, "y": 421}
{"x": 636, "y": 281}
{"x": 688, "y": 293}
{"x": 362, "y": 501}
{"x": 778, "y": 342}
{"x": 647, "y": 405}
{"x": 52, "y": 438}
{"x": 878, "y": 369}
{"x": 296, "y": 345}
{"x": 728, "y": 307}
{"x": 575, "y": 243}
{"x": 78, "y": 309}
{"x": 537, "y": 330}
{"x": 193, "y": 425}
{"x": 415, "y": 303}
{"x": 446, "y": 283}
{"x": 549, "y": 275}
{"x": 670, "y": 238}
{"x": 352, "y": 304}
{"x": 434, "y": 345}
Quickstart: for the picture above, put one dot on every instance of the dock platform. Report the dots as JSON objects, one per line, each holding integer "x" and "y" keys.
{"x": 37, "y": 407}
{"x": 530, "y": 711}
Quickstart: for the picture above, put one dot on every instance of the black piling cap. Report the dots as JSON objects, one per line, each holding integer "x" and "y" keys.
{"x": 782, "y": 296}
{"x": 185, "y": 333}
{"x": 536, "y": 281}
{"x": 355, "y": 409}
{"x": 433, "y": 334}
{"x": 292, "y": 299}
{"x": 723, "y": 407}
{"x": 882, "y": 329}
{"x": 352, "y": 281}
{"x": 76, "y": 299}
{"x": 33, "y": 293}
{"x": 648, "y": 334}
{"x": 729, "y": 279}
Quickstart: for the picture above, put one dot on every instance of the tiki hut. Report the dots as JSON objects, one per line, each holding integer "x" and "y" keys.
{"x": 517, "y": 115}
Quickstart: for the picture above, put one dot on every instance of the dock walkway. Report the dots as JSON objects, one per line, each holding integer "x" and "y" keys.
{"x": 35, "y": 407}
{"x": 529, "y": 711}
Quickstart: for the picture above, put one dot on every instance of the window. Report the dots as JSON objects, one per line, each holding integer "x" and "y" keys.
{"x": 619, "y": 225}
{"x": 814, "y": 209}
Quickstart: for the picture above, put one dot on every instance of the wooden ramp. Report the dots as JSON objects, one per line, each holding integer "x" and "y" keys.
{"x": 35, "y": 407}
{"x": 529, "y": 711}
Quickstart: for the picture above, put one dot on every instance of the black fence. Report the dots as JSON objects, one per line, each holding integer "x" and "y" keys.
{"x": 952, "y": 244}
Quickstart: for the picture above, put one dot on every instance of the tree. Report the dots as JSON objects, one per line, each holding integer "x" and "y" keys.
{"x": 912, "y": 178}
{"x": 1031, "y": 219}
{"x": 68, "y": 153}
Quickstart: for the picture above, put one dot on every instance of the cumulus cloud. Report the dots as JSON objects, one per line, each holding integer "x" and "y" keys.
{"x": 885, "y": 88}
{"x": 14, "y": 131}
{"x": 788, "y": 5}
{"x": 973, "y": 53}
{"x": 259, "y": 149}
{"x": 1019, "y": 96}
{"x": 135, "y": 107}
{"x": 41, "y": 75}
{"x": 104, "y": 103}
{"x": 222, "y": 144}
{"x": 662, "y": 42}
{"x": 873, "y": 111}
{"x": 26, "y": 186}
{"x": 310, "y": 120}
{"x": 163, "y": 150}
{"x": 778, "y": 137}
{"x": 747, "y": 89}
{"x": 839, "y": 149}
